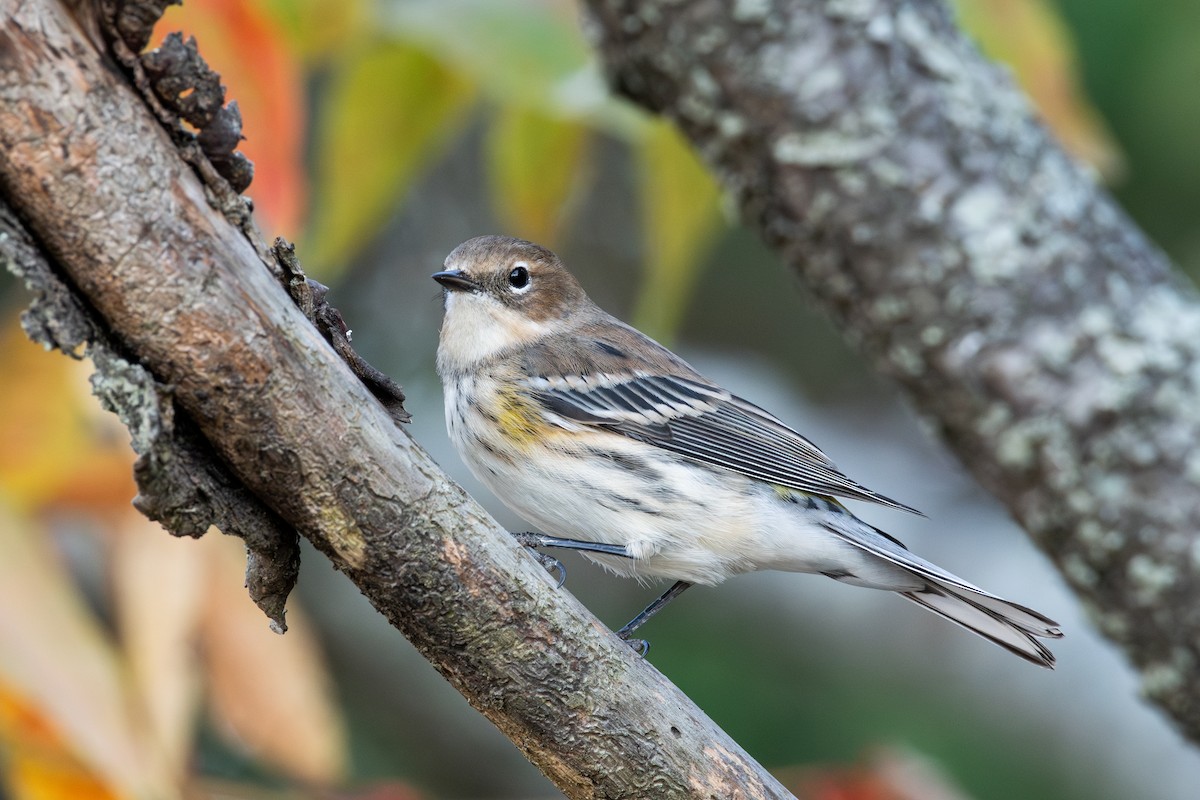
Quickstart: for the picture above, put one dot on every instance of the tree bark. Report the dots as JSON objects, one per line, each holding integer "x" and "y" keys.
{"x": 108, "y": 202}
{"x": 906, "y": 181}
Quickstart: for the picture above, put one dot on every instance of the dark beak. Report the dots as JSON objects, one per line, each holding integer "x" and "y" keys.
{"x": 456, "y": 280}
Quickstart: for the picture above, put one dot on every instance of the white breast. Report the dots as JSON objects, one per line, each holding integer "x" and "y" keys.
{"x": 476, "y": 327}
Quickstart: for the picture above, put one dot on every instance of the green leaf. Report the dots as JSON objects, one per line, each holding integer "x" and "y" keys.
{"x": 320, "y": 29}
{"x": 391, "y": 109}
{"x": 528, "y": 53}
{"x": 517, "y": 51}
{"x": 681, "y": 215}
{"x": 534, "y": 163}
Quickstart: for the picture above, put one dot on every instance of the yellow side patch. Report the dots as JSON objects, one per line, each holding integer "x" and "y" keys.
{"x": 813, "y": 501}
{"x": 519, "y": 421}
{"x": 784, "y": 492}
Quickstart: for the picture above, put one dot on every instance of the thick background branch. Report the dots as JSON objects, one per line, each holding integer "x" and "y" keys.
{"x": 904, "y": 178}
{"x": 102, "y": 189}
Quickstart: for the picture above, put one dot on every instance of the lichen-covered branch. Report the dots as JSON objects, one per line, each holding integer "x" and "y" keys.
{"x": 922, "y": 205}
{"x": 100, "y": 188}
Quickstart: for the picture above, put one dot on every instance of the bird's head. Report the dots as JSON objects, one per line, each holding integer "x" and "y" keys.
{"x": 500, "y": 293}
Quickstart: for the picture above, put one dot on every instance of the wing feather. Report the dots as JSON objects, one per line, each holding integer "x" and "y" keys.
{"x": 704, "y": 423}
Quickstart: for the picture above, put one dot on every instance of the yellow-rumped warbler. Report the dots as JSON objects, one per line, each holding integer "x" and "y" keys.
{"x": 616, "y": 447}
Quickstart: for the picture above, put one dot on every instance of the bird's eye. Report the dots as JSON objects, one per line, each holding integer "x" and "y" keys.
{"x": 518, "y": 278}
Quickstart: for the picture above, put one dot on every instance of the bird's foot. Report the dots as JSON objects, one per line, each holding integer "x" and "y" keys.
{"x": 639, "y": 646}
{"x": 549, "y": 563}
{"x": 535, "y": 540}
{"x": 553, "y": 566}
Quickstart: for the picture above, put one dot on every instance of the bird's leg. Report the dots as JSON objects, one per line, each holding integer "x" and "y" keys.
{"x": 552, "y": 564}
{"x": 542, "y": 540}
{"x": 641, "y": 645}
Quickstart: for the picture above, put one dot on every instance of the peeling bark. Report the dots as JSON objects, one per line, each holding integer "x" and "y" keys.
{"x": 906, "y": 181}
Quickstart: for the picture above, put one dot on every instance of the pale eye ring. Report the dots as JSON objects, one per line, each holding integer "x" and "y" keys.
{"x": 518, "y": 278}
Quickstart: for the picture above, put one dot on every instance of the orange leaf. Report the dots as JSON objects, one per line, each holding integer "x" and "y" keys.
{"x": 57, "y": 446}
{"x": 272, "y": 694}
{"x": 887, "y": 773}
{"x": 38, "y": 764}
{"x": 391, "y": 790}
{"x": 55, "y": 655}
{"x": 247, "y": 47}
{"x": 158, "y": 593}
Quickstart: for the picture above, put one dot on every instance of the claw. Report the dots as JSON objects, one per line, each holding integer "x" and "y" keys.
{"x": 552, "y": 565}
{"x": 549, "y": 563}
{"x": 639, "y": 646}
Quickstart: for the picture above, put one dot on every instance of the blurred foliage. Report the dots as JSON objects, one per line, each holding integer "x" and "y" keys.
{"x": 826, "y": 703}
{"x": 391, "y": 108}
{"x": 531, "y": 193}
{"x": 38, "y": 762}
{"x": 680, "y": 209}
{"x": 395, "y": 90}
{"x": 1141, "y": 65}
{"x": 106, "y": 681}
{"x": 104, "y": 702}
{"x": 885, "y": 774}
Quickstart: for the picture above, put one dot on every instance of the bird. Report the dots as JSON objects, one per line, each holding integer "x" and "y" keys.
{"x": 612, "y": 445}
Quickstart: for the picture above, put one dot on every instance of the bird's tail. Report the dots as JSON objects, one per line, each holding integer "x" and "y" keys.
{"x": 1014, "y": 627}
{"x": 1010, "y": 625}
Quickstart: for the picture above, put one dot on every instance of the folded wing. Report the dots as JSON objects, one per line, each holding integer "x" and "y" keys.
{"x": 702, "y": 422}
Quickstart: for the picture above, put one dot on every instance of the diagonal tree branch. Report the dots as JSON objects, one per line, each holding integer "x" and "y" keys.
{"x": 101, "y": 189}
{"x": 906, "y": 181}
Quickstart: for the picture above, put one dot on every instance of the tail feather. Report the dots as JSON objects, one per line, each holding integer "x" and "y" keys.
{"x": 1009, "y": 625}
{"x": 1015, "y": 614}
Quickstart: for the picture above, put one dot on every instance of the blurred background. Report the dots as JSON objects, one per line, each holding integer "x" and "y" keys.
{"x": 384, "y": 133}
